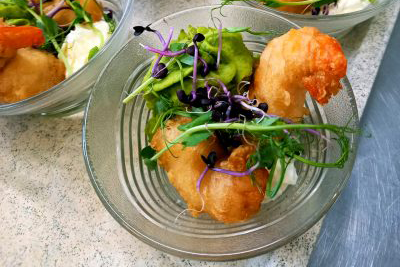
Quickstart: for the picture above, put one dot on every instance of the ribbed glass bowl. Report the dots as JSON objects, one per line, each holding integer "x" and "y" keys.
{"x": 335, "y": 25}
{"x": 147, "y": 205}
{"x": 71, "y": 94}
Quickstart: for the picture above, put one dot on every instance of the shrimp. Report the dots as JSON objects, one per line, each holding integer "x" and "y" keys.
{"x": 224, "y": 197}
{"x": 292, "y": 64}
{"x": 13, "y": 38}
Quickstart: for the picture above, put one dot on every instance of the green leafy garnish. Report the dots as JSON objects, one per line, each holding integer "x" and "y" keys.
{"x": 93, "y": 52}
{"x": 196, "y": 138}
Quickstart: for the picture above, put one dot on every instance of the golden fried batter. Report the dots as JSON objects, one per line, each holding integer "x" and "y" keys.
{"x": 233, "y": 199}
{"x": 226, "y": 198}
{"x": 299, "y": 61}
{"x": 28, "y": 73}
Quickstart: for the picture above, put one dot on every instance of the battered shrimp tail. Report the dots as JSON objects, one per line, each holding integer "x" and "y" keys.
{"x": 328, "y": 65}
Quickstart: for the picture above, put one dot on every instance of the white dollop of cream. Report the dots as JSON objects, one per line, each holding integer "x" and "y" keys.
{"x": 348, "y": 6}
{"x": 81, "y": 40}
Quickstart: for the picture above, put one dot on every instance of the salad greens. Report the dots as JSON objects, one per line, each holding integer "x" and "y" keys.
{"x": 22, "y": 12}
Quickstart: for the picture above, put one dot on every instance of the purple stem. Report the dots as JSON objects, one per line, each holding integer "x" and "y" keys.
{"x": 57, "y": 8}
{"x": 311, "y": 131}
{"x": 219, "y": 44}
{"x": 240, "y": 98}
{"x": 254, "y": 109}
{"x": 196, "y": 57}
{"x": 160, "y": 37}
{"x": 204, "y": 64}
{"x": 228, "y": 112}
{"x": 208, "y": 87}
{"x": 203, "y": 174}
{"x": 237, "y": 174}
{"x": 194, "y": 95}
{"x": 165, "y": 53}
{"x": 226, "y": 91}
{"x": 165, "y": 47}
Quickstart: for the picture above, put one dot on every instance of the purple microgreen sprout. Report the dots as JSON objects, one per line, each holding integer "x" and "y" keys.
{"x": 196, "y": 57}
{"x": 165, "y": 48}
{"x": 219, "y": 45}
{"x": 59, "y": 6}
{"x": 237, "y": 174}
{"x": 166, "y": 53}
{"x": 203, "y": 174}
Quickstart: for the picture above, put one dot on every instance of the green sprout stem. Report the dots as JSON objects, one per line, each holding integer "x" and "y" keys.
{"x": 62, "y": 56}
{"x": 261, "y": 128}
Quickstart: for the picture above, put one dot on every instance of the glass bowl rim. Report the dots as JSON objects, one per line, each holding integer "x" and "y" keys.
{"x": 195, "y": 255}
{"x": 31, "y": 101}
{"x": 370, "y": 9}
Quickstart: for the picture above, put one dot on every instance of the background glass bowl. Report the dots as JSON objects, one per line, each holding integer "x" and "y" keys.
{"x": 71, "y": 94}
{"x": 147, "y": 205}
{"x": 335, "y": 25}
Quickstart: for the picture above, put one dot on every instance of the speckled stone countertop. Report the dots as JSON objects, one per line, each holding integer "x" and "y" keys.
{"x": 50, "y": 214}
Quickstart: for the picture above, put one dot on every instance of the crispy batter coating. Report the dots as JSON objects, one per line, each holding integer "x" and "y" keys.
{"x": 28, "y": 73}
{"x": 232, "y": 199}
{"x": 226, "y": 198}
{"x": 292, "y": 64}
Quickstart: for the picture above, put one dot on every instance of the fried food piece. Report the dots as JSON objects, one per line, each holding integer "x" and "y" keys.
{"x": 12, "y": 38}
{"x": 292, "y": 64}
{"x": 232, "y": 199}
{"x": 184, "y": 165}
{"x": 294, "y": 9}
{"x": 30, "y": 72}
{"x": 226, "y": 198}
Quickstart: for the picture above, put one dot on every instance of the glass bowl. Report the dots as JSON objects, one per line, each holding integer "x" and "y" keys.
{"x": 335, "y": 25}
{"x": 71, "y": 94}
{"x": 149, "y": 207}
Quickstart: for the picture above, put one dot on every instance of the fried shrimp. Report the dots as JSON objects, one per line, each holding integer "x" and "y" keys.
{"x": 233, "y": 199}
{"x": 292, "y": 64}
{"x": 226, "y": 198}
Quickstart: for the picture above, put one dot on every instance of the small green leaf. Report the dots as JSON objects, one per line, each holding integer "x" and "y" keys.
{"x": 196, "y": 138}
{"x": 186, "y": 59}
{"x": 203, "y": 119}
{"x": 150, "y": 164}
{"x": 93, "y": 52}
{"x": 177, "y": 46}
{"x": 21, "y": 3}
{"x": 146, "y": 153}
{"x": 49, "y": 27}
